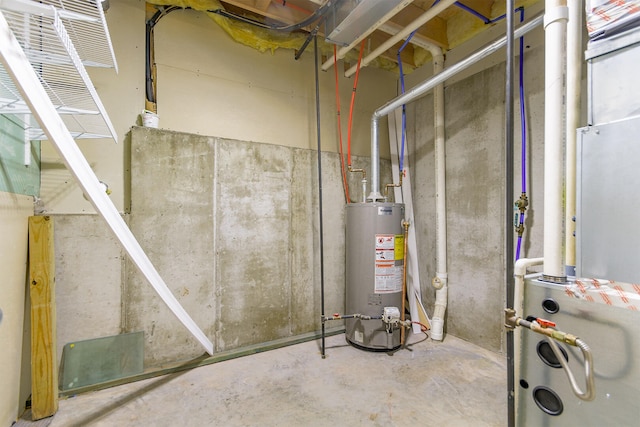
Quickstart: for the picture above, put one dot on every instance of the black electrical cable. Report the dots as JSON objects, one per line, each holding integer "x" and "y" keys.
{"x": 312, "y": 35}
{"x": 150, "y": 24}
{"x": 315, "y": 52}
{"x": 509, "y": 232}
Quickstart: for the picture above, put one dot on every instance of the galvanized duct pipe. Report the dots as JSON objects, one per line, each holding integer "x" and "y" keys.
{"x": 555, "y": 26}
{"x": 344, "y": 50}
{"x": 417, "y": 23}
{"x": 421, "y": 90}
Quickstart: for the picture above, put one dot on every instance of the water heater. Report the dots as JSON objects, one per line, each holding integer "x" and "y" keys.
{"x": 374, "y": 272}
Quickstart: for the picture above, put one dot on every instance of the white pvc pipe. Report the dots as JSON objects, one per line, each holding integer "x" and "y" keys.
{"x": 344, "y": 50}
{"x": 574, "y": 77}
{"x": 417, "y": 23}
{"x": 441, "y": 203}
{"x": 555, "y": 24}
{"x": 423, "y": 88}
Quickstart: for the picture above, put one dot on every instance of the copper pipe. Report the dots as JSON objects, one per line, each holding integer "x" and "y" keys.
{"x": 386, "y": 187}
{"x": 405, "y": 224}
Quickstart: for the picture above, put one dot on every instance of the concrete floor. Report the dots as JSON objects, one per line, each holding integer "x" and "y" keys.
{"x": 452, "y": 383}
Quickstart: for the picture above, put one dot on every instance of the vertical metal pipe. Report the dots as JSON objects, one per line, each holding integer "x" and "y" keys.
{"x": 509, "y": 255}
{"x": 315, "y": 54}
{"x": 375, "y": 160}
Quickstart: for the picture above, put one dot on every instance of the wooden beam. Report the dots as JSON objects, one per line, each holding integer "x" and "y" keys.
{"x": 377, "y": 38}
{"x": 44, "y": 377}
{"x": 276, "y": 11}
{"x": 434, "y": 31}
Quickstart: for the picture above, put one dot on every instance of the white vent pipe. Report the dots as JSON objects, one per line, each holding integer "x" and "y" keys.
{"x": 574, "y": 77}
{"x": 555, "y": 25}
{"x": 423, "y": 88}
{"x": 440, "y": 281}
{"x": 417, "y": 23}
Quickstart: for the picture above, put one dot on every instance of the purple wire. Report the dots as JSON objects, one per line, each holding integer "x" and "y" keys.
{"x": 470, "y": 10}
{"x": 404, "y": 115}
{"x": 523, "y": 126}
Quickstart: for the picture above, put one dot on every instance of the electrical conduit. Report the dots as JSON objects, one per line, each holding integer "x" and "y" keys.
{"x": 555, "y": 24}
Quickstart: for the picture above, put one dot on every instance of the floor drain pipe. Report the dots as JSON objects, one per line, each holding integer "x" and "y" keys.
{"x": 440, "y": 282}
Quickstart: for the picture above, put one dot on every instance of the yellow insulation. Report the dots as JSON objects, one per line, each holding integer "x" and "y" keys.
{"x": 263, "y": 39}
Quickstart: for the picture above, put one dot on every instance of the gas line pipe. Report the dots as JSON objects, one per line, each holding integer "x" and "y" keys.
{"x": 547, "y": 328}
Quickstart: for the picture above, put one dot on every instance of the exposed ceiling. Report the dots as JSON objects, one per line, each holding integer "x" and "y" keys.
{"x": 447, "y": 29}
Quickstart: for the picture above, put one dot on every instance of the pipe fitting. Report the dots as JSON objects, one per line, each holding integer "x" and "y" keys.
{"x": 387, "y": 186}
{"x": 522, "y": 202}
{"x": 363, "y": 181}
{"x": 555, "y": 14}
{"x": 439, "y": 281}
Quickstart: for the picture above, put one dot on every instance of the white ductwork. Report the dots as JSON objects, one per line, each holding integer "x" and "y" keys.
{"x": 365, "y": 33}
{"x": 417, "y": 23}
{"x": 555, "y": 25}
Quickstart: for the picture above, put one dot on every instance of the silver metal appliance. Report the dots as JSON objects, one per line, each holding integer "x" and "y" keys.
{"x": 374, "y": 271}
{"x": 605, "y": 319}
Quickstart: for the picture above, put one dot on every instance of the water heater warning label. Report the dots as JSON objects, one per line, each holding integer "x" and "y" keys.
{"x": 388, "y": 274}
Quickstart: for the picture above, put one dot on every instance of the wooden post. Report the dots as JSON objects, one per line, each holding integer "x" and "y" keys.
{"x": 44, "y": 375}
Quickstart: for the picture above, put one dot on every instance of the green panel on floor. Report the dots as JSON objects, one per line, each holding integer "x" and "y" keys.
{"x": 101, "y": 359}
{"x": 16, "y": 176}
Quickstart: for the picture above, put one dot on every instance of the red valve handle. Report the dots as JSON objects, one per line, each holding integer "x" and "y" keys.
{"x": 545, "y": 323}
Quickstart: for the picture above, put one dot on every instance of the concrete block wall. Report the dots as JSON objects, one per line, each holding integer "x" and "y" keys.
{"x": 231, "y": 226}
